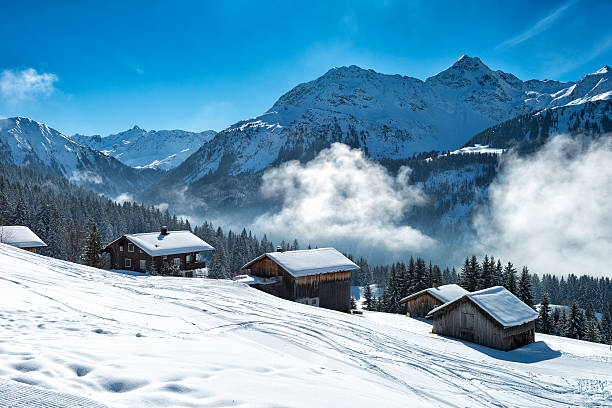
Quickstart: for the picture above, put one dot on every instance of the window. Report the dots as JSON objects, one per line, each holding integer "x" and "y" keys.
{"x": 128, "y": 263}
{"x": 121, "y": 248}
{"x": 143, "y": 265}
{"x": 188, "y": 259}
{"x": 130, "y": 247}
{"x": 177, "y": 261}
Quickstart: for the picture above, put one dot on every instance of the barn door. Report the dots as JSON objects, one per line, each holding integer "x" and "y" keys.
{"x": 467, "y": 326}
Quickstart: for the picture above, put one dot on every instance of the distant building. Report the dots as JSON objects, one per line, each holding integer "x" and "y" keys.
{"x": 420, "y": 303}
{"x": 317, "y": 277}
{"x": 21, "y": 237}
{"x": 136, "y": 252}
{"x": 493, "y": 317}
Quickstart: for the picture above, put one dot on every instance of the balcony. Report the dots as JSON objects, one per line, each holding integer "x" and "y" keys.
{"x": 194, "y": 265}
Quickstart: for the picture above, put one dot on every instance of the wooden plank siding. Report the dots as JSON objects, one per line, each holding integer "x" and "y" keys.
{"x": 422, "y": 304}
{"x": 464, "y": 320}
{"x": 332, "y": 289}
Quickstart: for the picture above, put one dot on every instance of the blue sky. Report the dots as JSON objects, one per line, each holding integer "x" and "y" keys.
{"x": 102, "y": 68}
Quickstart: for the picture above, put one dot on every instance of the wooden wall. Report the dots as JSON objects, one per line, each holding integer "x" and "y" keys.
{"x": 420, "y": 305}
{"x": 332, "y": 289}
{"x": 464, "y": 320}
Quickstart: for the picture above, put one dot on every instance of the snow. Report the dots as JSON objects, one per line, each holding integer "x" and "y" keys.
{"x": 175, "y": 242}
{"x": 154, "y": 341}
{"x": 444, "y": 293}
{"x": 138, "y": 148}
{"x": 20, "y": 236}
{"x": 478, "y": 149}
{"x": 309, "y": 261}
{"x": 501, "y": 305}
{"x": 254, "y": 280}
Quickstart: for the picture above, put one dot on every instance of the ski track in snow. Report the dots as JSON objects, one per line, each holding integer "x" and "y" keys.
{"x": 393, "y": 354}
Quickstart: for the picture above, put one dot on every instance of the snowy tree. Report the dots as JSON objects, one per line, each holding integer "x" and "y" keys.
{"x": 606, "y": 327}
{"x": 524, "y": 288}
{"x": 467, "y": 278}
{"x": 93, "y": 246}
{"x": 592, "y": 330}
{"x": 545, "y": 324}
{"x": 368, "y": 299}
{"x": 510, "y": 278}
{"x": 575, "y": 322}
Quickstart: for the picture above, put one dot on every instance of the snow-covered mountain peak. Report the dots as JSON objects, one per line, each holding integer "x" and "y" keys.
{"x": 603, "y": 70}
{"x": 137, "y": 147}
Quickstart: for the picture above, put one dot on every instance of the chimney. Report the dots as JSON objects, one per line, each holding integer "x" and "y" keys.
{"x": 164, "y": 230}
{"x": 279, "y": 249}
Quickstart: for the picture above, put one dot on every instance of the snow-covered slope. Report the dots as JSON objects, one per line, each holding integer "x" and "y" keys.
{"x": 387, "y": 116}
{"x": 152, "y": 341}
{"x": 136, "y": 147}
{"x": 27, "y": 143}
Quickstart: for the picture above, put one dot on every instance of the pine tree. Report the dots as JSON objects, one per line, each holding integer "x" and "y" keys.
{"x": 545, "y": 324}
{"x": 606, "y": 327}
{"x": 93, "y": 246}
{"x": 592, "y": 331}
{"x": 368, "y": 299}
{"x": 575, "y": 323}
{"x": 353, "y": 303}
{"x": 524, "y": 288}
{"x": 467, "y": 279}
{"x": 510, "y": 278}
{"x": 561, "y": 328}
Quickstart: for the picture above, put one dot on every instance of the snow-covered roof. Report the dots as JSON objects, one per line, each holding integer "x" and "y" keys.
{"x": 499, "y": 303}
{"x": 309, "y": 261}
{"x": 174, "y": 242}
{"x": 20, "y": 236}
{"x": 444, "y": 293}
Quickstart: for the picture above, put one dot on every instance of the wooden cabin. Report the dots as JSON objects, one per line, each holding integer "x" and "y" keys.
{"x": 316, "y": 277}
{"x": 140, "y": 252}
{"x": 420, "y": 303}
{"x": 21, "y": 237}
{"x": 492, "y": 317}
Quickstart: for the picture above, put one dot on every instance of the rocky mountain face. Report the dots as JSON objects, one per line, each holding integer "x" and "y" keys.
{"x": 387, "y": 116}
{"x": 27, "y": 143}
{"x": 136, "y": 147}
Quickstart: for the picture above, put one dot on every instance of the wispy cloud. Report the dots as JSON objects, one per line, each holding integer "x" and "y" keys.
{"x": 565, "y": 65}
{"x": 342, "y": 198}
{"x": 551, "y": 210}
{"x": 539, "y": 27}
{"x": 18, "y": 86}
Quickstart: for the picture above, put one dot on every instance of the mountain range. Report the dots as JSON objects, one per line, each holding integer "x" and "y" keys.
{"x": 136, "y": 147}
{"x": 393, "y": 119}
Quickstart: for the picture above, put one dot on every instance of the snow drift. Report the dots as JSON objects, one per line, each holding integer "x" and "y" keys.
{"x": 129, "y": 341}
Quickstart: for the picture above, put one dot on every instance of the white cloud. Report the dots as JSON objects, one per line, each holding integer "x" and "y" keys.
{"x": 539, "y": 27}
{"x": 551, "y": 210}
{"x": 124, "y": 197}
{"x": 341, "y": 198}
{"x": 18, "y": 86}
{"x": 85, "y": 176}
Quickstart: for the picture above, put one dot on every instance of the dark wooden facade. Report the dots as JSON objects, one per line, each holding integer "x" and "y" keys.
{"x": 328, "y": 290}
{"x": 422, "y": 304}
{"x": 120, "y": 252}
{"x": 463, "y": 319}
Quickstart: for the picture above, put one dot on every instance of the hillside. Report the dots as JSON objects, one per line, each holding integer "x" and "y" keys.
{"x": 128, "y": 340}
{"x": 136, "y": 147}
{"x": 27, "y": 143}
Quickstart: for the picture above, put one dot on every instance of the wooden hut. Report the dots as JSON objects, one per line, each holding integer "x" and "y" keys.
{"x": 493, "y": 317}
{"x": 317, "y": 277}
{"x": 21, "y": 237}
{"x": 420, "y": 303}
{"x": 138, "y": 252}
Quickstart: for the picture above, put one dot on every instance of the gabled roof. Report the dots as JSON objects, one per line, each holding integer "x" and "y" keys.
{"x": 500, "y": 304}
{"x": 444, "y": 293}
{"x": 20, "y": 237}
{"x": 175, "y": 242}
{"x": 309, "y": 261}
